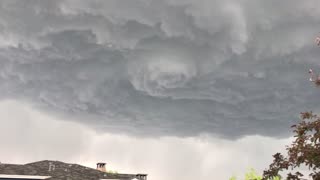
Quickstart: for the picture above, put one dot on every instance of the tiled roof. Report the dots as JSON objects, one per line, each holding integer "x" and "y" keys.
{"x": 61, "y": 171}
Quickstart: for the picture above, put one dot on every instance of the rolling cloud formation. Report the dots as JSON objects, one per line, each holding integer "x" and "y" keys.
{"x": 163, "y": 67}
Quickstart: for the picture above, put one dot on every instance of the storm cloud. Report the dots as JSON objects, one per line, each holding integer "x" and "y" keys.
{"x": 163, "y": 67}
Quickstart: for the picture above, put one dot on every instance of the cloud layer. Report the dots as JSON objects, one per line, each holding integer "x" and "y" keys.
{"x": 163, "y": 67}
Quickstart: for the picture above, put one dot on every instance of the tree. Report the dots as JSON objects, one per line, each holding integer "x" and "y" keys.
{"x": 305, "y": 150}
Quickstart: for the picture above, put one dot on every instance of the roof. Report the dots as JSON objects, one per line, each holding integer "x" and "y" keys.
{"x": 61, "y": 171}
{"x": 23, "y": 176}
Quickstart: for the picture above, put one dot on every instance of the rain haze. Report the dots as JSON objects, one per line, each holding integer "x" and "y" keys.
{"x": 180, "y": 90}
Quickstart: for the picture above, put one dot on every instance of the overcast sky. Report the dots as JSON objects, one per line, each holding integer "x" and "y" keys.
{"x": 193, "y": 84}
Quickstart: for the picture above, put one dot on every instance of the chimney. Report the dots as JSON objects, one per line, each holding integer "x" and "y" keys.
{"x": 101, "y": 167}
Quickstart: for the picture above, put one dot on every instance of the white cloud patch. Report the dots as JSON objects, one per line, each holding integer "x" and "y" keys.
{"x": 163, "y": 67}
{"x": 27, "y": 135}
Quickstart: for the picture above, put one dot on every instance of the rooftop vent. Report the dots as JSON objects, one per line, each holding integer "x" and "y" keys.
{"x": 101, "y": 167}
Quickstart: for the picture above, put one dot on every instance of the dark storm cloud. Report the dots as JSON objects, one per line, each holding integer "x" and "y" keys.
{"x": 230, "y": 68}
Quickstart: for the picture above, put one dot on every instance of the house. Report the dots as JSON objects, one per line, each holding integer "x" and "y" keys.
{"x": 56, "y": 170}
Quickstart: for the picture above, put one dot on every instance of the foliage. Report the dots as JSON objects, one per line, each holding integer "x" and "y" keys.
{"x": 233, "y": 178}
{"x": 305, "y": 150}
{"x": 112, "y": 172}
{"x": 252, "y": 175}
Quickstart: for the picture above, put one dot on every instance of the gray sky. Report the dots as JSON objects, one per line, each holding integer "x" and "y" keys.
{"x": 159, "y": 73}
